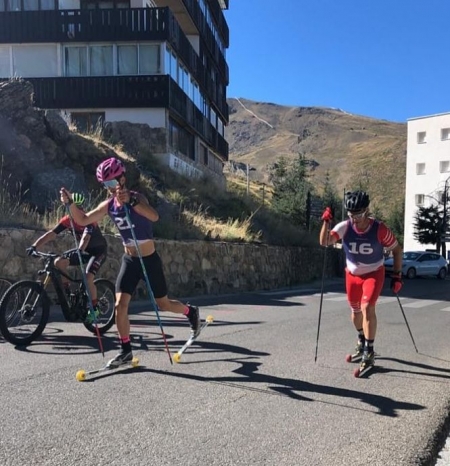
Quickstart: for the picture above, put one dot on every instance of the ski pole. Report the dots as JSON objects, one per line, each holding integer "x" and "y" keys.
{"x": 83, "y": 274}
{"x": 321, "y": 291}
{"x": 147, "y": 281}
{"x": 406, "y": 322}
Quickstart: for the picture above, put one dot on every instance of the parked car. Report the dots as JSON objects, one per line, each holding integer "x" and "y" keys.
{"x": 421, "y": 263}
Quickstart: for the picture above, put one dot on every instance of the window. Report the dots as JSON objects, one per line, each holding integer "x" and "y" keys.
{"x": 444, "y": 166}
{"x": 421, "y": 137}
{"x": 2, "y": 5}
{"x": 75, "y": 61}
{"x": 149, "y": 59}
{"x": 445, "y": 134}
{"x": 101, "y": 60}
{"x": 419, "y": 199}
{"x": 127, "y": 59}
{"x": 420, "y": 169}
{"x": 204, "y": 154}
{"x": 88, "y": 122}
{"x": 31, "y": 5}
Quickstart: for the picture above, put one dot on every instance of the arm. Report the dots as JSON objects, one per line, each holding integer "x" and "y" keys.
{"x": 398, "y": 258}
{"x": 84, "y": 241}
{"x": 44, "y": 239}
{"x": 325, "y": 238}
{"x": 142, "y": 207}
{"x": 78, "y": 215}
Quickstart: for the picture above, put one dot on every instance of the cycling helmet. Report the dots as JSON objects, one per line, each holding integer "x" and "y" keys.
{"x": 356, "y": 200}
{"x": 78, "y": 199}
{"x": 109, "y": 169}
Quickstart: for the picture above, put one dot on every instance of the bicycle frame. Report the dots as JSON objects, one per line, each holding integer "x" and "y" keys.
{"x": 53, "y": 276}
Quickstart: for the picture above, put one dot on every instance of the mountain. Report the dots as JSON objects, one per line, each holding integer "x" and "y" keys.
{"x": 354, "y": 150}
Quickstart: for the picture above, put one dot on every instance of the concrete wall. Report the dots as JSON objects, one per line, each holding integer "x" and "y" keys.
{"x": 192, "y": 268}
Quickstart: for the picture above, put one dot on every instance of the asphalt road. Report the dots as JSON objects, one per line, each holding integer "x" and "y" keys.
{"x": 248, "y": 393}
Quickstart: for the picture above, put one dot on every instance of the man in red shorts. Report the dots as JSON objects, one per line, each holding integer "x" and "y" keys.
{"x": 364, "y": 240}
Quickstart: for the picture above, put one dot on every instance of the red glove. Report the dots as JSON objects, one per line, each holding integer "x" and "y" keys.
{"x": 396, "y": 282}
{"x": 327, "y": 215}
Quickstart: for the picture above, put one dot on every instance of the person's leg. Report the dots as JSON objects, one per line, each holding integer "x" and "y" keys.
{"x": 127, "y": 280}
{"x": 353, "y": 285}
{"x": 372, "y": 286}
{"x": 94, "y": 261}
{"x": 155, "y": 272}
{"x": 61, "y": 263}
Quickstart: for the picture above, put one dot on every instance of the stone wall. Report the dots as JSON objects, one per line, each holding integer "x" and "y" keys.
{"x": 192, "y": 268}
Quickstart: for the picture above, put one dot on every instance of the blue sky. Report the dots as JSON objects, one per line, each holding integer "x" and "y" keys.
{"x": 387, "y": 59}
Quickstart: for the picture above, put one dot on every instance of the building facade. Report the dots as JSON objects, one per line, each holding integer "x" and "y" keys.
{"x": 427, "y": 170}
{"x": 159, "y": 62}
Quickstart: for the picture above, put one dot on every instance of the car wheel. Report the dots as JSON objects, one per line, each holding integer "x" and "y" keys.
{"x": 442, "y": 273}
{"x": 411, "y": 273}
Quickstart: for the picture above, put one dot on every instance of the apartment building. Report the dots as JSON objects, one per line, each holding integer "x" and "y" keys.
{"x": 158, "y": 62}
{"x": 427, "y": 170}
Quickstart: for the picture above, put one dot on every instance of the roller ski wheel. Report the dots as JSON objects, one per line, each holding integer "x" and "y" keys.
{"x": 353, "y": 357}
{"x": 177, "y": 356}
{"x": 81, "y": 375}
{"x": 365, "y": 367}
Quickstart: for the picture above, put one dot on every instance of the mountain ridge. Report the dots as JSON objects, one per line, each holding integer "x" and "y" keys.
{"x": 354, "y": 150}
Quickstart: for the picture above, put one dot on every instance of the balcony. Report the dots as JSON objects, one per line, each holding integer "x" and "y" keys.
{"x": 127, "y": 92}
{"x": 115, "y": 25}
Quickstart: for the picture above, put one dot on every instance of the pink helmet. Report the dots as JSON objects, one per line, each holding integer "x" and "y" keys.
{"x": 110, "y": 169}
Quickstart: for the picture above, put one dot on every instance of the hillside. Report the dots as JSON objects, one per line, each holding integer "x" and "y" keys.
{"x": 355, "y": 150}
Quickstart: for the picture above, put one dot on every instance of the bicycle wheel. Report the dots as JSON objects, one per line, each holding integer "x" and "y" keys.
{"x": 106, "y": 296}
{"x": 24, "y": 311}
{"x": 4, "y": 285}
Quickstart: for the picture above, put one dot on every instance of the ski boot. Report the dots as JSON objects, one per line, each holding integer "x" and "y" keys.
{"x": 123, "y": 357}
{"x": 367, "y": 363}
{"x": 357, "y": 355}
{"x": 194, "y": 321}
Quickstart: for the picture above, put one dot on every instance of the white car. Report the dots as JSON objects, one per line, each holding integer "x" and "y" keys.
{"x": 421, "y": 263}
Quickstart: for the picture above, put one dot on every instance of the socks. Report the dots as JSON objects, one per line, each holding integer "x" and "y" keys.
{"x": 368, "y": 346}
{"x": 361, "y": 337}
{"x": 126, "y": 344}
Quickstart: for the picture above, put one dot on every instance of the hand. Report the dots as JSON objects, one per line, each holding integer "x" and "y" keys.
{"x": 327, "y": 215}
{"x": 66, "y": 197}
{"x": 396, "y": 282}
{"x": 122, "y": 195}
{"x": 31, "y": 250}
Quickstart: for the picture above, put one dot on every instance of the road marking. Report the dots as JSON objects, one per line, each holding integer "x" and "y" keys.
{"x": 447, "y": 309}
{"x": 386, "y": 300}
{"x": 421, "y": 303}
{"x": 339, "y": 298}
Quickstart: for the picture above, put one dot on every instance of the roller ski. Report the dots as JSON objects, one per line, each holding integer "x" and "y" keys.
{"x": 194, "y": 335}
{"x": 120, "y": 360}
{"x": 367, "y": 364}
{"x": 358, "y": 354}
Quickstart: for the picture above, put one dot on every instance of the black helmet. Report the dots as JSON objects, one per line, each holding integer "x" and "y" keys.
{"x": 356, "y": 200}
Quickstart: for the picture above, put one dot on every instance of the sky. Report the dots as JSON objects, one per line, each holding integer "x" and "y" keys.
{"x": 387, "y": 59}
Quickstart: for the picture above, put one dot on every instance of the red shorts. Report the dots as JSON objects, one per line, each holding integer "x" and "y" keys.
{"x": 363, "y": 288}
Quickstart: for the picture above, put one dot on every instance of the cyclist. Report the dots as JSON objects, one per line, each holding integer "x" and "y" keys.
{"x": 92, "y": 247}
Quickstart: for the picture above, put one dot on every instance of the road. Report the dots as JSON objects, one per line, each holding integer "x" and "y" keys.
{"x": 249, "y": 393}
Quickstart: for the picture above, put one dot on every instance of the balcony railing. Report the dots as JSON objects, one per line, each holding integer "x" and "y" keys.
{"x": 114, "y": 25}
{"x": 127, "y": 92}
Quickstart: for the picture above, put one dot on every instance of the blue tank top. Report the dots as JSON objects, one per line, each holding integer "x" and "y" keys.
{"x": 363, "y": 248}
{"x": 143, "y": 227}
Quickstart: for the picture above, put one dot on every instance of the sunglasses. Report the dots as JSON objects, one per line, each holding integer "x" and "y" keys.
{"x": 357, "y": 216}
{"x": 111, "y": 184}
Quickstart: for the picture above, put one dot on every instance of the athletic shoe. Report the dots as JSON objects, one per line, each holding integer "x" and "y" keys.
{"x": 121, "y": 358}
{"x": 90, "y": 319}
{"x": 368, "y": 359}
{"x": 194, "y": 320}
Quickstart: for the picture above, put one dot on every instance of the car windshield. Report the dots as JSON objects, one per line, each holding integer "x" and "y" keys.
{"x": 410, "y": 256}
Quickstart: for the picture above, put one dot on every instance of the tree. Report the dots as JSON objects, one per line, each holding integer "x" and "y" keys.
{"x": 396, "y": 222}
{"x": 330, "y": 197}
{"x": 428, "y": 226}
{"x": 291, "y": 187}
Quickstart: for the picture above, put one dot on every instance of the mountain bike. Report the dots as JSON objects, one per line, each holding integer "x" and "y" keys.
{"x": 4, "y": 285}
{"x": 25, "y": 306}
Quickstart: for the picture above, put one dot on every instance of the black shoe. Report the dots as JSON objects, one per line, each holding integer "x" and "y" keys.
{"x": 121, "y": 358}
{"x": 368, "y": 359}
{"x": 194, "y": 320}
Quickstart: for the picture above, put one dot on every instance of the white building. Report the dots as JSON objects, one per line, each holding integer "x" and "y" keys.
{"x": 427, "y": 169}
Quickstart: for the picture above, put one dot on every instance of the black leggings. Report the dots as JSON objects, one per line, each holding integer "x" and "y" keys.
{"x": 131, "y": 272}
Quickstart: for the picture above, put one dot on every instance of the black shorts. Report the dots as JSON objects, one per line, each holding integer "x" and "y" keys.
{"x": 93, "y": 257}
{"x": 131, "y": 272}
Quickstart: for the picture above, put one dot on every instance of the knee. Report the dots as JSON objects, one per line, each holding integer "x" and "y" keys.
{"x": 163, "y": 303}
{"x": 368, "y": 310}
{"x": 121, "y": 308}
